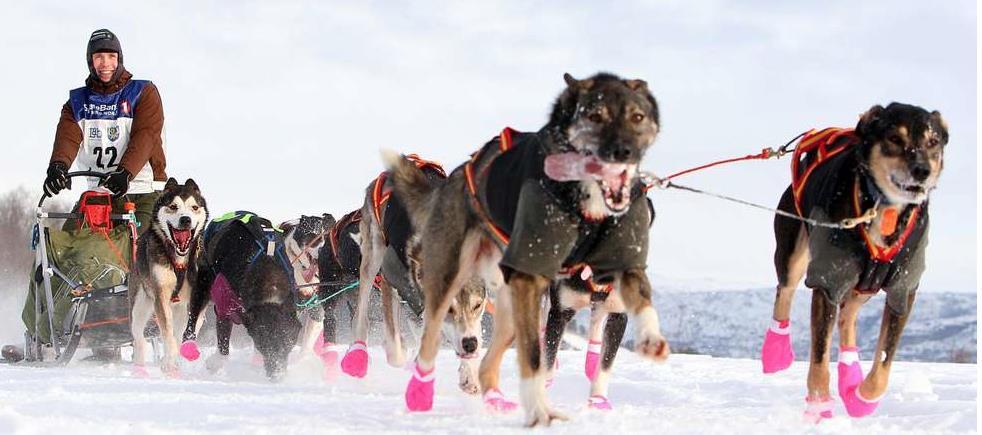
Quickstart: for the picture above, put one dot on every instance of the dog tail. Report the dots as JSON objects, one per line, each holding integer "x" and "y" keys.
{"x": 411, "y": 185}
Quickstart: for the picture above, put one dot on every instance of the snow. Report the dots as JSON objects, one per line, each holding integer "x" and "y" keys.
{"x": 688, "y": 394}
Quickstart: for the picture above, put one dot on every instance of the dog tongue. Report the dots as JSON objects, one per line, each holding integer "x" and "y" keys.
{"x": 572, "y": 166}
{"x": 181, "y": 237}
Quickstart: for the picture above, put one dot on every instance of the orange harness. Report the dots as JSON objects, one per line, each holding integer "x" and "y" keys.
{"x": 817, "y": 147}
{"x": 381, "y": 192}
{"x": 350, "y": 218}
{"x": 505, "y": 144}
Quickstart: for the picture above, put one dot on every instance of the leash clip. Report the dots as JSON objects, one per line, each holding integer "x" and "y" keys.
{"x": 651, "y": 180}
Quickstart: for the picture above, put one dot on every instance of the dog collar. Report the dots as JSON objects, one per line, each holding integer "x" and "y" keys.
{"x": 884, "y": 254}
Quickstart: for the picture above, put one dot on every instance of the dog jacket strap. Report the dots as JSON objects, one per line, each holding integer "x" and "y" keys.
{"x": 813, "y": 150}
{"x": 474, "y": 179}
{"x": 885, "y": 254}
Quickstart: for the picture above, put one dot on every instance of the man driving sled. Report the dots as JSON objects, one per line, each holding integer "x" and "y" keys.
{"x": 112, "y": 125}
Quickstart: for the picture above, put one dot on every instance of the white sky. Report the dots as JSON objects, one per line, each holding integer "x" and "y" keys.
{"x": 282, "y": 108}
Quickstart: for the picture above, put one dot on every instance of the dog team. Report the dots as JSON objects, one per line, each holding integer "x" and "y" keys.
{"x": 541, "y": 224}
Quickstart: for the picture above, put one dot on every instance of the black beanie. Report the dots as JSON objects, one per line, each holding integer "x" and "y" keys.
{"x": 103, "y": 41}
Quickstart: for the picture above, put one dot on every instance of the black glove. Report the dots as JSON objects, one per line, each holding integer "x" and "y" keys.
{"x": 57, "y": 179}
{"x": 118, "y": 182}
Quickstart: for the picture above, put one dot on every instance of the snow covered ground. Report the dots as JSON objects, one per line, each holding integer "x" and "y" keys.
{"x": 689, "y": 394}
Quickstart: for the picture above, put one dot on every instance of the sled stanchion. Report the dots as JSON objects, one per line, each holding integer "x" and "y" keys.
{"x": 42, "y": 255}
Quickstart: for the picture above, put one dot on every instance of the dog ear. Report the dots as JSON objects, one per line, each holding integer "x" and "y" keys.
{"x": 869, "y": 121}
{"x": 328, "y": 220}
{"x": 940, "y": 123}
{"x": 190, "y": 184}
{"x": 637, "y": 85}
{"x": 171, "y": 184}
{"x": 580, "y": 85}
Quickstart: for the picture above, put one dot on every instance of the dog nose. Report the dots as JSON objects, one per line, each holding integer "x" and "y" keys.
{"x": 617, "y": 153}
{"x": 920, "y": 171}
{"x": 185, "y": 221}
{"x": 469, "y": 344}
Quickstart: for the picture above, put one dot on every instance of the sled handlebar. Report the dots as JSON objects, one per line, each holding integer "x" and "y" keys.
{"x": 99, "y": 175}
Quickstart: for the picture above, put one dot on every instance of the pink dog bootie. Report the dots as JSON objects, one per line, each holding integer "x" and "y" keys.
{"x": 355, "y": 361}
{"x": 139, "y": 371}
{"x": 328, "y": 353}
{"x": 419, "y": 392}
{"x": 777, "y": 354}
{"x": 600, "y": 403}
{"x": 850, "y": 377}
{"x": 494, "y": 401}
{"x": 592, "y": 362}
{"x": 190, "y": 351}
{"x": 818, "y": 409}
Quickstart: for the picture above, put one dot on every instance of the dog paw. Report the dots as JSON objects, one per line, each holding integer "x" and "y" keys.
{"x": 542, "y": 416}
{"x": 592, "y": 360}
{"x": 419, "y": 392}
{"x": 189, "y": 350}
{"x": 355, "y": 361}
{"x": 494, "y": 401}
{"x": 216, "y": 362}
{"x": 777, "y": 353}
{"x": 469, "y": 382}
{"x": 818, "y": 409}
{"x": 139, "y": 371}
{"x": 599, "y": 403}
{"x": 653, "y": 346}
{"x": 170, "y": 369}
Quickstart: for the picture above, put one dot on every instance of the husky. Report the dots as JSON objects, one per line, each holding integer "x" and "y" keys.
{"x": 515, "y": 217}
{"x": 305, "y": 238}
{"x": 889, "y": 163}
{"x": 389, "y": 248}
{"x": 247, "y": 272}
{"x": 165, "y": 268}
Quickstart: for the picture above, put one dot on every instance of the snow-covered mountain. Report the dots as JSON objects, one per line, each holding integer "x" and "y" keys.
{"x": 942, "y": 328}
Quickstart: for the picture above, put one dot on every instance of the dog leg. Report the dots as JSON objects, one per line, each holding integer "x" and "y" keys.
{"x": 390, "y": 314}
{"x": 823, "y": 314}
{"x": 502, "y": 337}
{"x": 165, "y": 322}
{"x": 850, "y": 372}
{"x": 141, "y": 312}
{"x": 223, "y": 333}
{"x": 635, "y": 291}
{"x": 355, "y": 361}
{"x": 526, "y": 292}
{"x": 790, "y": 262}
{"x": 598, "y": 317}
{"x": 613, "y": 334}
{"x": 862, "y": 401}
{"x": 445, "y": 271}
{"x": 326, "y": 347}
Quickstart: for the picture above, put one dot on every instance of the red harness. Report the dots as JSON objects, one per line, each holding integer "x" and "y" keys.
{"x": 381, "y": 192}
{"x": 350, "y": 218}
{"x": 816, "y": 148}
{"x": 505, "y": 144}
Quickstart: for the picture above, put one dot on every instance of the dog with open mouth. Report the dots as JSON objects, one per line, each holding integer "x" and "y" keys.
{"x": 165, "y": 269}
{"x": 389, "y": 248}
{"x": 526, "y": 210}
{"x": 889, "y": 164}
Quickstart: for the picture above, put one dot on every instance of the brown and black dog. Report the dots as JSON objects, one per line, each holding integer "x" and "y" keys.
{"x": 889, "y": 163}
{"x": 500, "y": 217}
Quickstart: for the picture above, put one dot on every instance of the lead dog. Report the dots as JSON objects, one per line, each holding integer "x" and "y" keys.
{"x": 501, "y": 207}
{"x": 889, "y": 163}
{"x": 165, "y": 268}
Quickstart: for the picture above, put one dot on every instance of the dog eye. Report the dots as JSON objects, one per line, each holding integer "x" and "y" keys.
{"x": 933, "y": 142}
{"x": 637, "y": 117}
{"x": 172, "y": 207}
{"x": 895, "y": 139}
{"x": 194, "y": 208}
{"x": 595, "y": 117}
{"x": 477, "y": 306}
